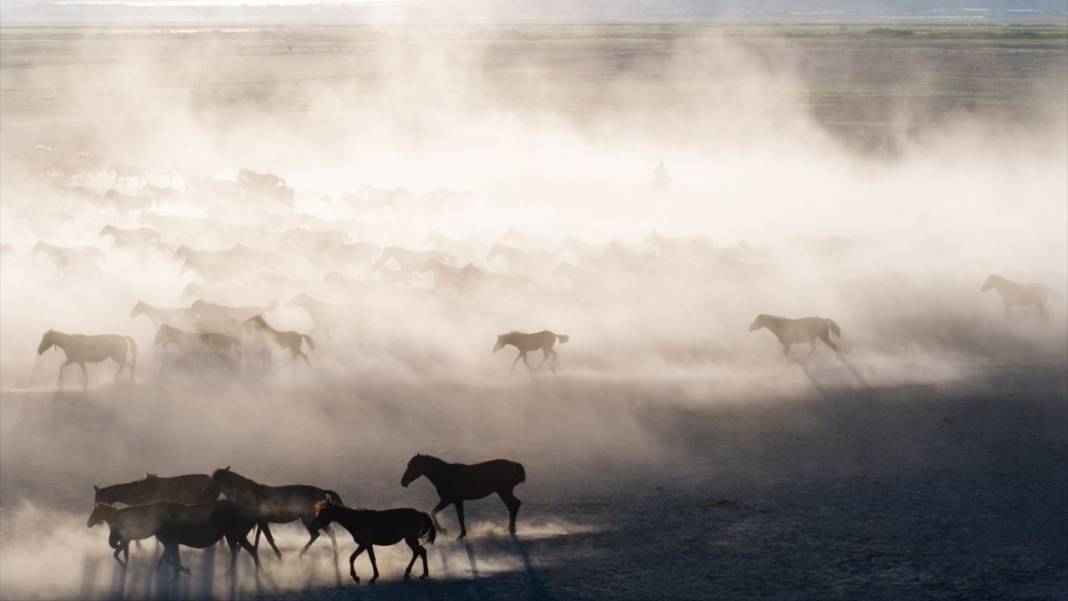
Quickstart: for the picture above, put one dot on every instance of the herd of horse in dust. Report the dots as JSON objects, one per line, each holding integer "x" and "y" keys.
{"x": 200, "y": 510}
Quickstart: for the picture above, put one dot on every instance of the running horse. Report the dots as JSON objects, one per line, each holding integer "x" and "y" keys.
{"x": 190, "y": 489}
{"x": 798, "y": 331}
{"x": 457, "y": 482}
{"x": 198, "y": 343}
{"x": 543, "y": 340}
{"x": 285, "y": 339}
{"x": 276, "y": 504}
{"x": 1019, "y": 295}
{"x": 81, "y": 349}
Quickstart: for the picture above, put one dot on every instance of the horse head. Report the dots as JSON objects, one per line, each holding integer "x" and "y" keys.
{"x": 101, "y": 512}
{"x": 138, "y": 309}
{"x": 107, "y": 230}
{"x": 500, "y": 343}
{"x": 46, "y": 342}
{"x": 414, "y": 470}
{"x": 222, "y": 476}
{"x": 759, "y": 322}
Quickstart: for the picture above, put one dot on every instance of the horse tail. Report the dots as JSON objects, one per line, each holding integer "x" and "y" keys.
{"x": 133, "y": 354}
{"x": 562, "y": 338}
{"x": 428, "y": 530}
{"x": 834, "y": 327}
{"x": 333, "y": 497}
{"x": 311, "y": 343}
{"x": 521, "y": 472}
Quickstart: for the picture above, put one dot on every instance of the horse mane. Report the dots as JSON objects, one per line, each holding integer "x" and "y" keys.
{"x": 242, "y": 480}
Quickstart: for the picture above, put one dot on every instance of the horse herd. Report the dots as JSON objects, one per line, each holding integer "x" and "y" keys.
{"x": 220, "y": 331}
{"x": 188, "y": 511}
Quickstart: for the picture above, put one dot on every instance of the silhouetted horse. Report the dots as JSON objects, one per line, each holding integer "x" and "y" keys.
{"x": 543, "y": 340}
{"x": 369, "y": 528}
{"x": 456, "y": 483}
{"x": 798, "y": 331}
{"x": 276, "y": 504}
{"x": 1019, "y": 295}
{"x": 288, "y": 339}
{"x": 82, "y": 349}
{"x": 174, "y": 524}
{"x": 190, "y": 489}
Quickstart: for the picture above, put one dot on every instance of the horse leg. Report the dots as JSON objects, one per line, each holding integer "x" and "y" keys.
{"x": 426, "y": 571}
{"x": 118, "y": 550}
{"x": 526, "y": 362}
{"x": 85, "y": 377}
{"x": 442, "y": 504}
{"x": 374, "y": 564}
{"x": 544, "y": 356}
{"x": 314, "y": 535}
{"x": 352, "y": 563}
{"x": 460, "y": 516}
{"x": 552, "y": 365}
{"x": 59, "y": 380}
{"x": 512, "y": 503}
{"x": 517, "y": 357}
{"x": 333, "y": 540}
{"x": 122, "y": 365}
{"x": 786, "y": 349}
{"x": 270, "y": 539}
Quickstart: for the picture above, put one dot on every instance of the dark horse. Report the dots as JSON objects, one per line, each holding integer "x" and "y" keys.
{"x": 369, "y": 528}
{"x": 174, "y": 524}
{"x": 456, "y": 483}
{"x": 276, "y": 504}
{"x": 190, "y": 489}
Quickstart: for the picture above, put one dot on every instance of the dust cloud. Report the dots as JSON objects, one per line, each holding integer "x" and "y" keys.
{"x": 456, "y": 140}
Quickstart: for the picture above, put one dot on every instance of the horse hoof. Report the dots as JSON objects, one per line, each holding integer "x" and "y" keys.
{"x": 424, "y": 577}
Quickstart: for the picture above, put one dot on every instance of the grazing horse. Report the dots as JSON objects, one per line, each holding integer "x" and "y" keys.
{"x": 798, "y": 331}
{"x": 196, "y": 344}
{"x": 276, "y": 504}
{"x": 389, "y": 527}
{"x": 456, "y": 483}
{"x": 543, "y": 340}
{"x": 189, "y": 489}
{"x": 1019, "y": 295}
{"x": 82, "y": 349}
{"x": 287, "y": 339}
{"x": 201, "y": 526}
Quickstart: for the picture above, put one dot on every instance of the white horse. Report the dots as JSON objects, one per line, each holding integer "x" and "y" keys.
{"x": 798, "y": 331}
{"x": 543, "y": 341}
{"x": 82, "y": 349}
{"x": 1019, "y": 295}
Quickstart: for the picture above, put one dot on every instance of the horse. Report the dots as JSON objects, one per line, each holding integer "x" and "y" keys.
{"x": 71, "y": 260}
{"x": 160, "y": 316}
{"x": 285, "y": 339}
{"x": 141, "y": 236}
{"x": 173, "y": 524}
{"x": 389, "y": 527}
{"x": 798, "y": 331}
{"x": 189, "y": 489}
{"x": 276, "y": 504}
{"x": 456, "y": 483}
{"x": 82, "y": 349}
{"x": 1020, "y": 295}
{"x": 196, "y": 344}
{"x": 543, "y": 340}
{"x": 205, "y": 310}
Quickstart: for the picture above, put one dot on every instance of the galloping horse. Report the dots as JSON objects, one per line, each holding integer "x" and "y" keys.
{"x": 543, "y": 340}
{"x": 798, "y": 331}
{"x": 276, "y": 504}
{"x": 369, "y": 528}
{"x": 1019, "y": 295}
{"x": 160, "y": 316}
{"x": 456, "y": 483}
{"x": 82, "y": 349}
{"x": 288, "y": 339}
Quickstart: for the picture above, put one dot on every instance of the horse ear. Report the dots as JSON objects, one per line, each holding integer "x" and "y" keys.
{"x": 96, "y": 488}
{"x": 227, "y": 468}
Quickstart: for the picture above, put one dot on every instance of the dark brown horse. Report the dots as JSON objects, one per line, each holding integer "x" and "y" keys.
{"x": 276, "y": 504}
{"x": 369, "y": 528}
{"x": 189, "y": 489}
{"x": 456, "y": 483}
{"x": 175, "y": 524}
